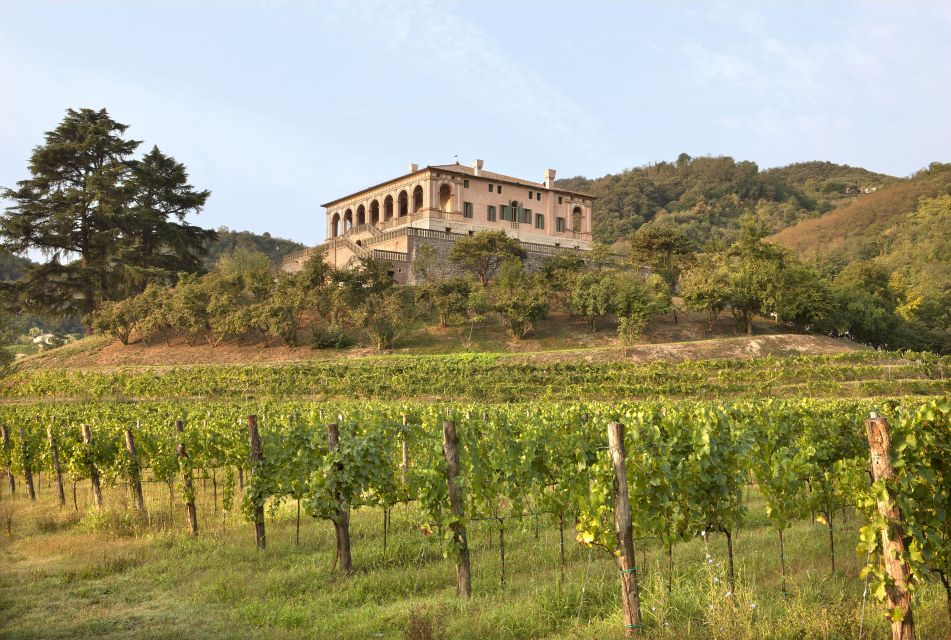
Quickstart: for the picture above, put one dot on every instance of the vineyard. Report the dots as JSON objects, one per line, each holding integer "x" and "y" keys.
{"x": 493, "y": 377}
{"x": 692, "y": 474}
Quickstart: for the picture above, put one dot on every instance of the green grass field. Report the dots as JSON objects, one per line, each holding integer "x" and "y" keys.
{"x": 79, "y": 574}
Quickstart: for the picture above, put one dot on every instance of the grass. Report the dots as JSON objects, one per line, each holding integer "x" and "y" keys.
{"x": 78, "y": 574}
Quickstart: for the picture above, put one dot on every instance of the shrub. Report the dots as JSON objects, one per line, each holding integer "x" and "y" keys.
{"x": 385, "y": 317}
{"x": 520, "y": 299}
{"x": 330, "y": 337}
{"x": 117, "y": 319}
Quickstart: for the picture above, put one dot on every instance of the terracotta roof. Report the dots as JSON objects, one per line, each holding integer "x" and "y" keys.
{"x": 464, "y": 170}
{"x": 501, "y": 177}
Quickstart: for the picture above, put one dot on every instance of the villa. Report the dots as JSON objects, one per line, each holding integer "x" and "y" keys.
{"x": 437, "y": 205}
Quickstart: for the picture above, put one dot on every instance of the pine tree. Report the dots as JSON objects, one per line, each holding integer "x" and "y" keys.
{"x": 157, "y": 241}
{"x": 108, "y": 224}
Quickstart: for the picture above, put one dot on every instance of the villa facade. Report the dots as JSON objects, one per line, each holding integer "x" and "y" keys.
{"x": 437, "y": 205}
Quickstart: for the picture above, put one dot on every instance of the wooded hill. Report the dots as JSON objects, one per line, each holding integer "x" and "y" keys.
{"x": 707, "y": 195}
{"x": 879, "y": 223}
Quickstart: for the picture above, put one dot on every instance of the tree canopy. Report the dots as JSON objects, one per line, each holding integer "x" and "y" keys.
{"x": 484, "y": 252}
{"x": 107, "y": 223}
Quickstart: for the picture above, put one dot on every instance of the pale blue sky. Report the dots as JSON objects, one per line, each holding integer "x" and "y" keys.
{"x": 277, "y": 106}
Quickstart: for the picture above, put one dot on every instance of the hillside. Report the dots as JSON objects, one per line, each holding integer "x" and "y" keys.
{"x": 707, "y": 195}
{"x": 829, "y": 184}
{"x": 859, "y": 229}
{"x": 12, "y": 267}
{"x": 227, "y": 241}
{"x": 563, "y": 339}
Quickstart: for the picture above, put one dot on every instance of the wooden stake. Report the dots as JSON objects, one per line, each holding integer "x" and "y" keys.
{"x": 561, "y": 547}
{"x": 893, "y": 545}
{"x": 463, "y": 570}
{"x": 187, "y": 486}
{"x": 404, "y": 467}
{"x": 6, "y": 451}
{"x": 93, "y": 471}
{"x": 27, "y": 467}
{"x": 341, "y": 519}
{"x": 501, "y": 551}
{"x": 57, "y": 469}
{"x": 135, "y": 474}
{"x": 257, "y": 458}
{"x": 626, "y": 560}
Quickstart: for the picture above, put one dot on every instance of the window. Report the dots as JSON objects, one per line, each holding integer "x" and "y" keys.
{"x": 490, "y": 212}
{"x": 560, "y": 200}
{"x": 506, "y": 213}
{"x": 538, "y": 196}
{"x": 498, "y": 189}
{"x": 560, "y": 224}
{"x": 529, "y": 195}
{"x": 465, "y": 184}
{"x": 525, "y": 216}
{"x": 466, "y": 209}
{"x": 491, "y": 187}
{"x": 539, "y": 221}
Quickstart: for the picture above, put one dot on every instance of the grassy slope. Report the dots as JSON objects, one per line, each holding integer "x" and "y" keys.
{"x": 559, "y": 338}
{"x": 65, "y": 576}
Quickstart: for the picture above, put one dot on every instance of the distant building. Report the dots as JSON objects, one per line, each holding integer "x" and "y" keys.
{"x": 436, "y": 205}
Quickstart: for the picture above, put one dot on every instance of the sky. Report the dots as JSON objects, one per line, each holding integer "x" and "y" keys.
{"x": 277, "y": 106}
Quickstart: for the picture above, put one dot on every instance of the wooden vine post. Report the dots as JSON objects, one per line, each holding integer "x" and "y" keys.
{"x": 6, "y": 452}
{"x": 187, "y": 486}
{"x": 341, "y": 518}
{"x": 57, "y": 468}
{"x": 626, "y": 560}
{"x": 135, "y": 473}
{"x": 91, "y": 464}
{"x": 893, "y": 545}
{"x": 404, "y": 464}
{"x": 27, "y": 467}
{"x": 257, "y": 458}
{"x": 463, "y": 571}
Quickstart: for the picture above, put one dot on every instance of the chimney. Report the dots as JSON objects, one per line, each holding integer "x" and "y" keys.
{"x": 413, "y": 168}
{"x": 477, "y": 167}
{"x": 549, "y": 178}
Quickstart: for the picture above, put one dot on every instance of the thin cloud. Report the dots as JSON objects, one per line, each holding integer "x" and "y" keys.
{"x": 460, "y": 57}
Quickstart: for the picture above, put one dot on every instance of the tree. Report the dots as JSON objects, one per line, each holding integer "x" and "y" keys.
{"x": 187, "y": 311}
{"x": 117, "y": 318}
{"x": 96, "y": 213}
{"x": 803, "y": 298}
{"x": 560, "y": 270}
{"x": 754, "y": 269}
{"x": 705, "y": 286}
{"x": 520, "y": 299}
{"x": 158, "y": 242}
{"x": 238, "y": 291}
{"x": 592, "y": 296}
{"x": 385, "y": 316}
{"x": 68, "y": 209}
{"x": 449, "y": 298}
{"x": 484, "y": 252}
{"x": 5, "y": 338}
{"x": 865, "y": 304}
{"x": 664, "y": 248}
{"x": 636, "y": 300}
{"x": 424, "y": 259}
